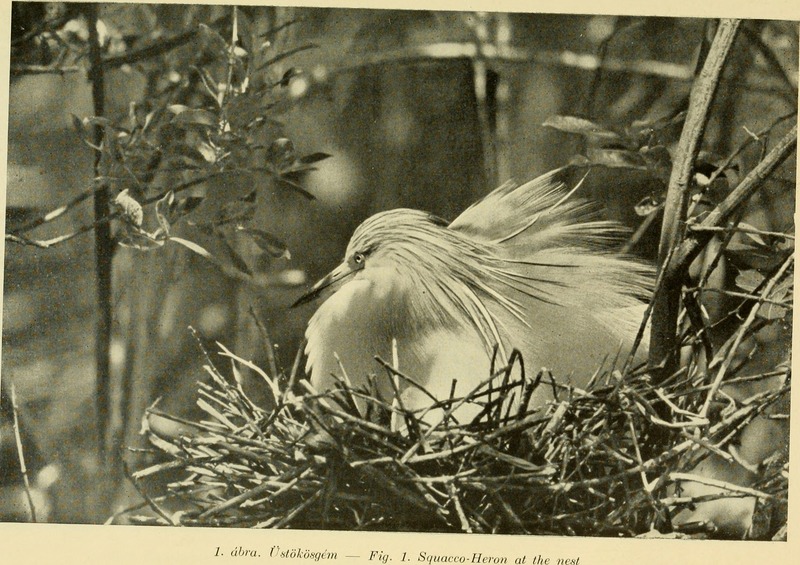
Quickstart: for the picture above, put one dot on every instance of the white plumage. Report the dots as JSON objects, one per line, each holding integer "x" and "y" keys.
{"x": 527, "y": 267}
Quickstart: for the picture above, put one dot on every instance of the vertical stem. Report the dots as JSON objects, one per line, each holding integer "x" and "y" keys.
{"x": 103, "y": 244}
{"x": 22, "y": 468}
{"x": 485, "y": 100}
{"x": 663, "y": 337}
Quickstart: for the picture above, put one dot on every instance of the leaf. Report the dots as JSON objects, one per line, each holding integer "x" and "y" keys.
{"x": 177, "y": 108}
{"x": 272, "y": 32}
{"x": 267, "y": 242}
{"x": 281, "y": 153}
{"x": 131, "y": 210}
{"x": 197, "y": 117}
{"x": 616, "y": 158}
{"x": 208, "y": 82}
{"x": 136, "y": 238}
{"x": 192, "y": 247}
{"x": 586, "y": 128}
{"x": 77, "y": 123}
{"x": 213, "y": 41}
{"x": 163, "y": 208}
{"x": 756, "y": 238}
{"x": 288, "y": 76}
{"x": 749, "y": 280}
{"x": 658, "y": 161}
{"x": 296, "y": 187}
{"x": 237, "y": 260}
{"x": 647, "y": 206}
{"x": 239, "y": 210}
{"x": 186, "y": 205}
{"x": 314, "y": 158}
{"x": 188, "y": 154}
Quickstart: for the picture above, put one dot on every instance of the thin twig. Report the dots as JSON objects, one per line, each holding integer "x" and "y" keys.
{"x": 268, "y": 347}
{"x": 20, "y": 454}
{"x": 692, "y": 246}
{"x": 740, "y": 335}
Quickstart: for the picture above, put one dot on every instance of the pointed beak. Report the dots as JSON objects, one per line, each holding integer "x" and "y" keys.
{"x": 332, "y": 281}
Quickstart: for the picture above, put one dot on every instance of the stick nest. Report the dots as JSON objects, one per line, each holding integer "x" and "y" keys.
{"x": 605, "y": 461}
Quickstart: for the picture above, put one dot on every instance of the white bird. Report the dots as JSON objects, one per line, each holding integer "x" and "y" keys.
{"x": 527, "y": 267}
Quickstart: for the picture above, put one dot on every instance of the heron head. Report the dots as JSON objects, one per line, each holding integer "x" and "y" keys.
{"x": 394, "y": 241}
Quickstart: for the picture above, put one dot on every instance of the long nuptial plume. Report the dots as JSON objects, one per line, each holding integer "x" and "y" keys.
{"x": 528, "y": 267}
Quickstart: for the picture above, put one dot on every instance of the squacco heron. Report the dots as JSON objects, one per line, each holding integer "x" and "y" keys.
{"x": 527, "y": 267}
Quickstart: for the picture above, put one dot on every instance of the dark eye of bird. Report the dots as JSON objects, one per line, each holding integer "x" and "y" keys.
{"x": 358, "y": 258}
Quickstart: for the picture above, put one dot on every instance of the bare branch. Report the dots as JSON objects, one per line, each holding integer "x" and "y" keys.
{"x": 663, "y": 339}
{"x": 22, "y": 468}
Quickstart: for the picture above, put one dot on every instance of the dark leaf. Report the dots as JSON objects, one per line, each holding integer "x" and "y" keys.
{"x": 281, "y": 154}
{"x": 288, "y": 76}
{"x": 243, "y": 110}
{"x": 197, "y": 117}
{"x": 214, "y": 42}
{"x": 645, "y": 129}
{"x": 294, "y": 185}
{"x": 236, "y": 259}
{"x": 658, "y": 161}
{"x": 186, "y": 205}
{"x": 266, "y": 242}
{"x": 314, "y": 158}
{"x": 270, "y": 33}
{"x": 77, "y": 123}
{"x": 236, "y": 211}
{"x": 189, "y": 154}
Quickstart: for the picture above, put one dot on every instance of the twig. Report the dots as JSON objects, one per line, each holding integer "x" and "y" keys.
{"x": 740, "y": 335}
{"x": 452, "y": 491}
{"x": 690, "y": 248}
{"x": 22, "y": 468}
{"x": 640, "y": 232}
{"x": 20, "y": 69}
{"x": 663, "y": 337}
{"x": 740, "y": 229}
{"x": 270, "y": 350}
{"x": 719, "y": 484}
{"x": 151, "y": 502}
{"x": 58, "y": 212}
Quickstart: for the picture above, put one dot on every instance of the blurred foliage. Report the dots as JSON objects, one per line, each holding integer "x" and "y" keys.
{"x": 209, "y": 113}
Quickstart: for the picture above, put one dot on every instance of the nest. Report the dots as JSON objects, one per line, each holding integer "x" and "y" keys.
{"x": 604, "y": 461}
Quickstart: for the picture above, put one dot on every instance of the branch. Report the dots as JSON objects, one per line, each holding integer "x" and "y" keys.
{"x": 22, "y": 468}
{"x": 43, "y": 70}
{"x": 741, "y": 333}
{"x": 15, "y": 237}
{"x": 663, "y": 341}
{"x": 703, "y": 232}
{"x": 104, "y": 244}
